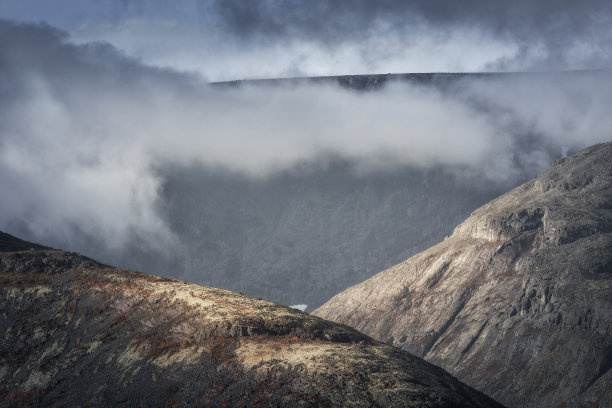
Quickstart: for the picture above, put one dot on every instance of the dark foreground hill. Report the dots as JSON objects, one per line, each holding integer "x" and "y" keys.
{"x": 74, "y": 332}
{"x": 518, "y": 301}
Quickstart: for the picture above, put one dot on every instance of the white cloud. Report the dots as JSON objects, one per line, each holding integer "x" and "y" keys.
{"x": 84, "y": 131}
{"x": 190, "y": 46}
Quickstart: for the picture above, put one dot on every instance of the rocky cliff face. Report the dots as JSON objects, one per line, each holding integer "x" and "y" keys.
{"x": 518, "y": 301}
{"x": 74, "y": 332}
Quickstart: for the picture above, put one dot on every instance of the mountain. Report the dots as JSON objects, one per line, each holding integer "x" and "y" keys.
{"x": 306, "y": 232}
{"x": 303, "y": 236}
{"x": 518, "y": 301}
{"x": 369, "y": 82}
{"x": 74, "y": 332}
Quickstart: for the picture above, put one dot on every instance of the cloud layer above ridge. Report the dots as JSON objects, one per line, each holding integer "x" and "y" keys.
{"x": 230, "y": 39}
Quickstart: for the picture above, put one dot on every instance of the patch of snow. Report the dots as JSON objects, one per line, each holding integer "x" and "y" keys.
{"x": 299, "y": 307}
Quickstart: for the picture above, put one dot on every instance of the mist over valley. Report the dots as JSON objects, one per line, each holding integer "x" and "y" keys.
{"x": 291, "y": 191}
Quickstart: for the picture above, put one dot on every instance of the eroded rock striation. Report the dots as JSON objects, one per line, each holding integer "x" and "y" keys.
{"x": 518, "y": 301}
{"x": 74, "y": 332}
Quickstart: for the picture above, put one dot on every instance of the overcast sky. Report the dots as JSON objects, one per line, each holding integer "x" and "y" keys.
{"x": 229, "y": 39}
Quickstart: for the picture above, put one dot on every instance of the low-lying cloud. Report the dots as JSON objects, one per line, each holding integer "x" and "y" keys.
{"x": 86, "y": 131}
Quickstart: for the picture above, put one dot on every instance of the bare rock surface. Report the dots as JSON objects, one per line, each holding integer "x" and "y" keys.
{"x": 518, "y": 301}
{"x": 74, "y": 332}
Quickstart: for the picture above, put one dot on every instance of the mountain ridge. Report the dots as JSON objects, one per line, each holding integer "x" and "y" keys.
{"x": 76, "y": 332}
{"x": 373, "y": 81}
{"x": 517, "y": 301}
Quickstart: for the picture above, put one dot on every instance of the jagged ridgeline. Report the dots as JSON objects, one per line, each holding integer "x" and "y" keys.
{"x": 74, "y": 332}
{"x": 518, "y": 301}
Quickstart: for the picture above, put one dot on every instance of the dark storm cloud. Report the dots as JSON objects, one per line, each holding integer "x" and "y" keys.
{"x": 231, "y": 39}
{"x": 337, "y": 20}
{"x": 545, "y": 32}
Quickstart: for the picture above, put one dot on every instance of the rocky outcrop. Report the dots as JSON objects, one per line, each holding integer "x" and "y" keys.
{"x": 518, "y": 301}
{"x": 74, "y": 332}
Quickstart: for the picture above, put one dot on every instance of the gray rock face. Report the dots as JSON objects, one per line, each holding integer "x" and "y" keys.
{"x": 74, "y": 332}
{"x": 303, "y": 236}
{"x": 518, "y": 301}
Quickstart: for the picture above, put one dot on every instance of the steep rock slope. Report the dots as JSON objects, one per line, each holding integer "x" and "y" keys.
{"x": 74, "y": 332}
{"x": 518, "y": 301}
{"x": 303, "y": 236}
